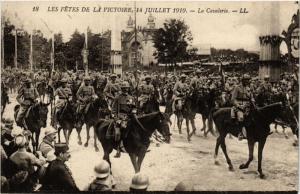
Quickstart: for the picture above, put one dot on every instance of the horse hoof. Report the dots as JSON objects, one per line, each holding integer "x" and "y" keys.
{"x": 295, "y": 144}
{"x": 217, "y": 163}
{"x": 79, "y": 143}
{"x": 286, "y": 137}
{"x": 243, "y": 166}
{"x": 231, "y": 168}
{"x": 86, "y": 145}
{"x": 262, "y": 176}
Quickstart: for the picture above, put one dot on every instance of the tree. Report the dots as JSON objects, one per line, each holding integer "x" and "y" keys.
{"x": 171, "y": 41}
{"x": 73, "y": 49}
{"x": 9, "y": 44}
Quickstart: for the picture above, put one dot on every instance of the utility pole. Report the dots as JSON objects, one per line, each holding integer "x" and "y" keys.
{"x": 2, "y": 42}
{"x": 16, "y": 49}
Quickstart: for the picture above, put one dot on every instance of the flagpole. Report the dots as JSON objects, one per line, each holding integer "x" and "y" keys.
{"x": 16, "y": 49}
{"x": 30, "y": 56}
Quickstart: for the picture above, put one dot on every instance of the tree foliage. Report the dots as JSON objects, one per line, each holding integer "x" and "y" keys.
{"x": 171, "y": 41}
{"x": 67, "y": 54}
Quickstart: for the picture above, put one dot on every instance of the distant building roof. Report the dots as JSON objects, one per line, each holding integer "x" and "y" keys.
{"x": 203, "y": 49}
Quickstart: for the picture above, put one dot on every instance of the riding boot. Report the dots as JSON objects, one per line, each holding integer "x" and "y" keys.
{"x": 242, "y": 132}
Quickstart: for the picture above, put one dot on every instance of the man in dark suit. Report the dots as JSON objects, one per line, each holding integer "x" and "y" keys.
{"x": 58, "y": 177}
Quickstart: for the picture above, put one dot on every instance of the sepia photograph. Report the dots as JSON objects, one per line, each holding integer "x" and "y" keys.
{"x": 152, "y": 96}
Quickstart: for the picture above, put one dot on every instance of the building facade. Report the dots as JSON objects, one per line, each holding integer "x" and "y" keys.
{"x": 142, "y": 43}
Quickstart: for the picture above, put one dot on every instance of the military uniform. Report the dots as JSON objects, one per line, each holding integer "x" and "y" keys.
{"x": 146, "y": 90}
{"x": 63, "y": 93}
{"x": 240, "y": 99}
{"x": 85, "y": 95}
{"x": 179, "y": 91}
{"x": 26, "y": 98}
{"x": 111, "y": 90}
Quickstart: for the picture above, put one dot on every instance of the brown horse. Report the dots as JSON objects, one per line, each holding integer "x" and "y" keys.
{"x": 136, "y": 139}
{"x": 257, "y": 125}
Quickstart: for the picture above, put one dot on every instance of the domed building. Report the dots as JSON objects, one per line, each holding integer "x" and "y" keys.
{"x": 144, "y": 43}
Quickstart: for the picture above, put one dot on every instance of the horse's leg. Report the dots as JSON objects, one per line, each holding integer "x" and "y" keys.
{"x": 79, "y": 136}
{"x": 204, "y": 123}
{"x": 261, "y": 145}
{"x": 275, "y": 126}
{"x": 95, "y": 140}
{"x": 37, "y": 135}
{"x": 133, "y": 158}
{"x": 140, "y": 159}
{"x": 58, "y": 131}
{"x": 218, "y": 142}
{"x": 179, "y": 122}
{"x": 251, "y": 149}
{"x": 285, "y": 135}
{"x": 66, "y": 135}
{"x": 187, "y": 121}
{"x": 87, "y": 135}
{"x": 223, "y": 146}
{"x": 210, "y": 125}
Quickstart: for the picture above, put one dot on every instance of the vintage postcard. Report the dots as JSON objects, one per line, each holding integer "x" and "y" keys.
{"x": 149, "y": 96}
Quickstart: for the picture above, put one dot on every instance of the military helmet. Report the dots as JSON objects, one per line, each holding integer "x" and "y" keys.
{"x": 113, "y": 76}
{"x": 148, "y": 77}
{"x": 87, "y": 78}
{"x": 125, "y": 85}
{"x": 246, "y": 77}
{"x": 102, "y": 170}
{"x": 27, "y": 80}
{"x": 182, "y": 76}
{"x": 139, "y": 181}
{"x": 198, "y": 71}
{"x": 266, "y": 77}
{"x": 183, "y": 186}
{"x": 64, "y": 80}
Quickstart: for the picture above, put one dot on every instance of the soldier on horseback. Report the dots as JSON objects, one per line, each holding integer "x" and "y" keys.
{"x": 122, "y": 106}
{"x": 112, "y": 89}
{"x": 64, "y": 94}
{"x": 240, "y": 99}
{"x": 85, "y": 95}
{"x": 179, "y": 90}
{"x": 27, "y": 96}
{"x": 147, "y": 90}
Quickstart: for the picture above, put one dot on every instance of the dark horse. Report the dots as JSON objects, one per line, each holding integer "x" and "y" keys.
{"x": 42, "y": 88}
{"x": 35, "y": 119}
{"x": 136, "y": 139}
{"x": 257, "y": 126}
{"x": 97, "y": 109}
{"x": 4, "y": 99}
{"x": 152, "y": 105}
{"x": 67, "y": 120}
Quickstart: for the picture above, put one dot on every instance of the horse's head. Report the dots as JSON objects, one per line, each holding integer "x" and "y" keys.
{"x": 42, "y": 110}
{"x": 164, "y": 127}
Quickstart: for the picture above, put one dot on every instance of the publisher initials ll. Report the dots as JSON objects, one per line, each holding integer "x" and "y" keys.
{"x": 243, "y": 10}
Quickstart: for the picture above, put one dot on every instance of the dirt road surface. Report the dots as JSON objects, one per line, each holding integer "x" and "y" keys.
{"x": 168, "y": 164}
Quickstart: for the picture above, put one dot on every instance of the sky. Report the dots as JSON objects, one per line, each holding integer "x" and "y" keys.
{"x": 219, "y": 30}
